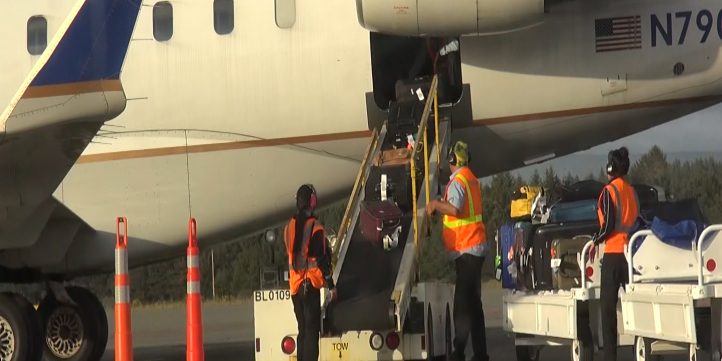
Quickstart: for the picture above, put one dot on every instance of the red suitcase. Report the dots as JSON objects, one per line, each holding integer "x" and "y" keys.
{"x": 379, "y": 218}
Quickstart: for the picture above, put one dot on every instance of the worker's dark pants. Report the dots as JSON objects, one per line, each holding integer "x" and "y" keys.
{"x": 468, "y": 312}
{"x": 307, "y": 307}
{"x": 614, "y": 275}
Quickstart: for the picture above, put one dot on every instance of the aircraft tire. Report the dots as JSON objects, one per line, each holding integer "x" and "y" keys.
{"x": 101, "y": 318}
{"x": 16, "y": 343}
{"x": 73, "y": 332}
{"x": 527, "y": 353}
{"x": 35, "y": 333}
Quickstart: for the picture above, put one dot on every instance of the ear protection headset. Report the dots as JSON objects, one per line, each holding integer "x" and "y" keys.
{"x": 610, "y": 167}
{"x": 613, "y": 163}
{"x": 313, "y": 201}
{"x": 451, "y": 157}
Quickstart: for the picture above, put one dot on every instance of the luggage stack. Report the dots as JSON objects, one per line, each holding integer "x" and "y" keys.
{"x": 539, "y": 245}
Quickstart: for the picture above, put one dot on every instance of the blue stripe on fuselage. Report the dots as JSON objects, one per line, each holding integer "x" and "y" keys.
{"x": 94, "y": 45}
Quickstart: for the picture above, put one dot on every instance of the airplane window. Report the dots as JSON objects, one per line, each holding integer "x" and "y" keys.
{"x": 285, "y": 13}
{"x": 162, "y": 21}
{"x": 37, "y": 35}
{"x": 223, "y": 16}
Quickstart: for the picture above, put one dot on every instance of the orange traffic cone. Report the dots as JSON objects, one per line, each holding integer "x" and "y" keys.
{"x": 194, "y": 320}
{"x": 123, "y": 334}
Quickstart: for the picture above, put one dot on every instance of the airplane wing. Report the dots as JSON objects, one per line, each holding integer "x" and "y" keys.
{"x": 70, "y": 92}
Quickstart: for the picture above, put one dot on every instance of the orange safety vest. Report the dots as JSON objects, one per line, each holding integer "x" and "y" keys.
{"x": 301, "y": 266}
{"x": 468, "y": 229}
{"x": 626, "y": 205}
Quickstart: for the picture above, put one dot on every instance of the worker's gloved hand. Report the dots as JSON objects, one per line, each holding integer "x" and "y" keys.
{"x": 430, "y": 207}
{"x": 331, "y": 288}
{"x": 332, "y": 294}
{"x": 329, "y": 282}
{"x": 596, "y": 240}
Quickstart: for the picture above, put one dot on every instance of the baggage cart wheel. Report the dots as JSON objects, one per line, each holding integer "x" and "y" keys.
{"x": 581, "y": 352}
{"x": 643, "y": 349}
{"x": 527, "y": 353}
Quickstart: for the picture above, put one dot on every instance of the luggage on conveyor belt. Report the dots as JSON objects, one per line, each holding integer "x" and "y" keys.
{"x": 380, "y": 219}
{"x": 404, "y": 119}
{"x": 398, "y": 184}
{"x": 409, "y": 89}
{"x": 365, "y": 283}
{"x": 405, "y": 113}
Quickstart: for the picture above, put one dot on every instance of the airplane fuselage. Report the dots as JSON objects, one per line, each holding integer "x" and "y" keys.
{"x": 224, "y": 128}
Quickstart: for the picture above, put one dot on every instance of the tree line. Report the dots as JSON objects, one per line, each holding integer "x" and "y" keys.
{"x": 238, "y": 265}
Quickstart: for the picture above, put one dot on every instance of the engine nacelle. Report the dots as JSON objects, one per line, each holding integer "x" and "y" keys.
{"x": 448, "y": 18}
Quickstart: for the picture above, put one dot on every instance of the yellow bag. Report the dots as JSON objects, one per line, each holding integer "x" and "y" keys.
{"x": 522, "y": 201}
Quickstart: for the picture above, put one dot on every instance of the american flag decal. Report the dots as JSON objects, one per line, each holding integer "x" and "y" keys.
{"x": 620, "y": 33}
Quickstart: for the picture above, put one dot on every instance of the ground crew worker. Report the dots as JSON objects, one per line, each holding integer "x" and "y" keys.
{"x": 309, "y": 264}
{"x": 618, "y": 209}
{"x": 464, "y": 238}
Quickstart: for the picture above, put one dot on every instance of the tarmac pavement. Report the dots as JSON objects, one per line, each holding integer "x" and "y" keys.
{"x": 159, "y": 333}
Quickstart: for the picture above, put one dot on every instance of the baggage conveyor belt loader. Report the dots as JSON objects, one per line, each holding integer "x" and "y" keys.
{"x": 381, "y": 312}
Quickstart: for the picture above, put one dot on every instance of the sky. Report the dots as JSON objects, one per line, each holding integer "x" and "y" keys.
{"x": 699, "y": 132}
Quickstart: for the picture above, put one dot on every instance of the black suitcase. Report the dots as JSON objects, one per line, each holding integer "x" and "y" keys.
{"x": 648, "y": 200}
{"x": 677, "y": 211}
{"x": 587, "y": 189}
{"x": 408, "y": 89}
{"x": 404, "y": 119}
{"x": 544, "y": 236}
{"x": 398, "y": 180}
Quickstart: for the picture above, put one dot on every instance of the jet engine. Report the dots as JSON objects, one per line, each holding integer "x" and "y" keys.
{"x": 448, "y": 18}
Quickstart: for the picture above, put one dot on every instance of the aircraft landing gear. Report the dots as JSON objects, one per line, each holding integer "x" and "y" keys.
{"x": 76, "y": 332}
{"x": 19, "y": 329}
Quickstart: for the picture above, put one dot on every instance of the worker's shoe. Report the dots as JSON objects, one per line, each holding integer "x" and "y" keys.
{"x": 477, "y": 358}
{"x": 455, "y": 356}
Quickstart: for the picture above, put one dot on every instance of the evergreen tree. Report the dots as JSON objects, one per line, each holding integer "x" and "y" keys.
{"x": 535, "y": 178}
{"x": 602, "y": 176}
{"x": 551, "y": 181}
{"x": 569, "y": 179}
{"x": 652, "y": 168}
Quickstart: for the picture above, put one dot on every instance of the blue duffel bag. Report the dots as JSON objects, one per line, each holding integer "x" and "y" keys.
{"x": 682, "y": 234}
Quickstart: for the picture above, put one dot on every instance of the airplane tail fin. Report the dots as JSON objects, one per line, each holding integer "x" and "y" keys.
{"x": 85, "y": 56}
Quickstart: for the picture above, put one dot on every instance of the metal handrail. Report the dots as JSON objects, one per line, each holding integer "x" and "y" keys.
{"x": 628, "y": 253}
{"x": 700, "y": 257}
{"x": 353, "y": 201}
{"x": 436, "y": 129}
{"x": 581, "y": 262}
{"x": 421, "y": 134}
